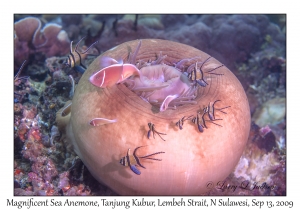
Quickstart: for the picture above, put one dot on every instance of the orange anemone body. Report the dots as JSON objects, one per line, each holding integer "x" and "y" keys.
{"x": 191, "y": 159}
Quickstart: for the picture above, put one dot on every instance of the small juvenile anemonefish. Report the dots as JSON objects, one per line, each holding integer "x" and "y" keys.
{"x": 152, "y": 129}
{"x": 197, "y": 75}
{"x": 201, "y": 121}
{"x": 211, "y": 110}
{"x": 75, "y": 58}
{"x": 133, "y": 160}
{"x": 101, "y": 121}
{"x": 180, "y": 122}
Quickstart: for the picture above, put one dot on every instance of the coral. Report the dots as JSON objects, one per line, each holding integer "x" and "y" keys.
{"x": 34, "y": 134}
{"x": 271, "y": 112}
{"x": 36, "y": 73}
{"x": 38, "y": 87}
{"x": 32, "y": 150}
{"x": 229, "y": 38}
{"x": 263, "y": 167}
{"x": 260, "y": 171}
{"x": 189, "y": 33}
{"x": 20, "y": 191}
{"x": 259, "y": 164}
{"x": 173, "y": 20}
{"x": 150, "y": 21}
{"x": 40, "y": 187}
{"x": 22, "y": 130}
{"x": 55, "y": 63}
{"x": 59, "y": 75}
{"x": 39, "y": 178}
{"x": 49, "y": 142}
{"x": 266, "y": 70}
{"x": 56, "y": 41}
{"x": 29, "y": 38}
{"x": 29, "y": 112}
{"x": 71, "y": 19}
{"x": 44, "y": 167}
{"x": 17, "y": 108}
{"x": 236, "y": 38}
{"x": 78, "y": 190}
{"x": 73, "y": 31}
{"x": 264, "y": 131}
{"x": 89, "y": 24}
{"x": 64, "y": 181}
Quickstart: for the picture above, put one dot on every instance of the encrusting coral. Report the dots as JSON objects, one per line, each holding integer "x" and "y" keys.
{"x": 30, "y": 38}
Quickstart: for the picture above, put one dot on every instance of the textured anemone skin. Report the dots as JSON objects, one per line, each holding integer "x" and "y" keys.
{"x": 191, "y": 159}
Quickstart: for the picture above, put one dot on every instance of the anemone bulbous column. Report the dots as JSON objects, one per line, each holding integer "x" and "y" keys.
{"x": 191, "y": 158}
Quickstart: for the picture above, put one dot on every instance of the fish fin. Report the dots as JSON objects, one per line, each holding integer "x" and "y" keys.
{"x": 120, "y": 61}
{"x": 201, "y": 82}
{"x": 80, "y": 69}
{"x": 101, "y": 121}
{"x": 148, "y": 134}
{"x": 108, "y": 76}
{"x": 211, "y": 116}
{"x": 200, "y": 128}
{"x": 136, "y": 157}
{"x": 129, "y": 70}
{"x": 135, "y": 170}
{"x": 107, "y": 61}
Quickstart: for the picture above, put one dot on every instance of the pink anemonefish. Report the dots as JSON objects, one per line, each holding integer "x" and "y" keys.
{"x": 114, "y": 72}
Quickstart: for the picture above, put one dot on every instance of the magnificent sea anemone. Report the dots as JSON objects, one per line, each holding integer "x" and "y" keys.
{"x": 156, "y": 117}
